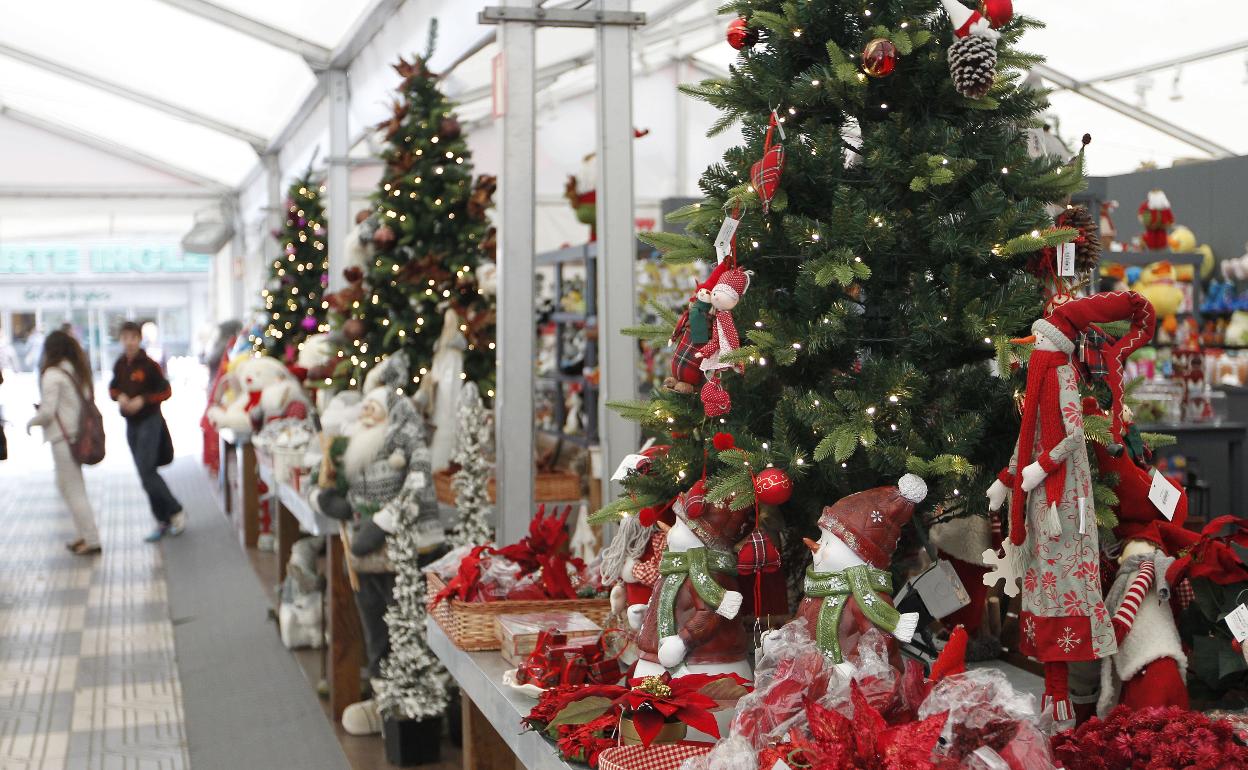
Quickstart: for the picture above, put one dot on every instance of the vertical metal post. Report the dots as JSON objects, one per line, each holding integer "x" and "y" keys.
{"x": 339, "y": 182}
{"x": 513, "y": 401}
{"x": 238, "y": 249}
{"x": 682, "y": 135}
{"x": 617, "y": 250}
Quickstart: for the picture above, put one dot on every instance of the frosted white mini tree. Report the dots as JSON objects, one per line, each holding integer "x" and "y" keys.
{"x": 471, "y": 481}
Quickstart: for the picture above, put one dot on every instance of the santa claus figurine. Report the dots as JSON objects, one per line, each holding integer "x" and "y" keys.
{"x": 630, "y": 562}
{"x": 1149, "y": 668}
{"x": 1157, "y": 218}
{"x": 690, "y": 624}
{"x": 1052, "y": 542}
{"x": 848, "y": 585}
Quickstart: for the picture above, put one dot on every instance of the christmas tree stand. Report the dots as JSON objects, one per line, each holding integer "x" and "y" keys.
{"x": 411, "y": 742}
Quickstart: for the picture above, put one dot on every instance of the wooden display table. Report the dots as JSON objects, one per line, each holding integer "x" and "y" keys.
{"x": 236, "y": 449}
{"x": 494, "y": 738}
{"x": 292, "y": 515}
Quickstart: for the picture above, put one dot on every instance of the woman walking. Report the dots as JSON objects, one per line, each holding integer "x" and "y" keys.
{"x": 64, "y": 385}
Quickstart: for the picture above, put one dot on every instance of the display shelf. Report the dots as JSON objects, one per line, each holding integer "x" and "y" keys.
{"x": 586, "y": 255}
{"x": 565, "y": 317}
{"x": 578, "y": 439}
{"x": 480, "y": 678}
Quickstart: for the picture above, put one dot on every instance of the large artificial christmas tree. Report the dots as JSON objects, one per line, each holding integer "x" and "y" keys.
{"x": 885, "y": 220}
{"x": 293, "y": 294}
{"x": 429, "y": 238}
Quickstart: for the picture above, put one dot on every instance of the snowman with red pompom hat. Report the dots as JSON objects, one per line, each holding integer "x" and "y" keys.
{"x": 848, "y": 585}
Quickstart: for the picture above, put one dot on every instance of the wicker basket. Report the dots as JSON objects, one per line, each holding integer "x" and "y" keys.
{"x": 548, "y": 486}
{"x": 471, "y": 625}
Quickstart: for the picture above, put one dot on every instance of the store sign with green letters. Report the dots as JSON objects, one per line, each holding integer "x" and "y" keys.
{"x": 100, "y": 259}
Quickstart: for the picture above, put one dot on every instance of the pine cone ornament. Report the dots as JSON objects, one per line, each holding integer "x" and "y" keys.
{"x": 973, "y": 65}
{"x": 1088, "y": 244}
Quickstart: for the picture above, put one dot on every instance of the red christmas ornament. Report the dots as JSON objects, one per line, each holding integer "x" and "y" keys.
{"x": 740, "y": 36}
{"x": 765, "y": 174}
{"x": 715, "y": 400}
{"x": 879, "y": 57}
{"x": 773, "y": 487}
{"x": 723, "y": 441}
{"x": 384, "y": 238}
{"x": 997, "y": 12}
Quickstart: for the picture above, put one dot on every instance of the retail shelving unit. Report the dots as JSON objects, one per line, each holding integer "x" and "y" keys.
{"x": 560, "y": 259}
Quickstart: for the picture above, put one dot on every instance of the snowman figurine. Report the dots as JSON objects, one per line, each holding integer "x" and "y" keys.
{"x": 848, "y": 586}
{"x": 690, "y": 624}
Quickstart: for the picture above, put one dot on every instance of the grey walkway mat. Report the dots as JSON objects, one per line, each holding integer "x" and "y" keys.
{"x": 247, "y": 703}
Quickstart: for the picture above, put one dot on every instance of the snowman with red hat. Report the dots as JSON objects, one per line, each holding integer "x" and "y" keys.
{"x": 690, "y": 624}
{"x": 1150, "y": 667}
{"x": 1053, "y": 544}
{"x": 848, "y": 586}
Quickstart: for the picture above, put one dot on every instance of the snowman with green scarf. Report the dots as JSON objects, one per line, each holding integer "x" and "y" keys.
{"x": 848, "y": 586}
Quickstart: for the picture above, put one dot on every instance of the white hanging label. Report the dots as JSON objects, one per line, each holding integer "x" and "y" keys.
{"x": 779, "y": 124}
{"x": 723, "y": 241}
{"x": 1083, "y": 516}
{"x": 629, "y": 464}
{"x": 1163, "y": 495}
{"x": 991, "y": 760}
{"x": 941, "y": 589}
{"x": 1066, "y": 260}
{"x": 1237, "y": 621}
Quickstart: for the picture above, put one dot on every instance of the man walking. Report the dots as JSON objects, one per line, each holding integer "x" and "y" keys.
{"x": 138, "y": 387}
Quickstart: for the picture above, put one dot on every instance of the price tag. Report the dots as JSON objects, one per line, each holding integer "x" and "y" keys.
{"x": 1237, "y": 621}
{"x": 1083, "y": 516}
{"x": 941, "y": 589}
{"x": 629, "y": 464}
{"x": 723, "y": 241}
{"x": 1066, "y": 260}
{"x": 779, "y": 124}
{"x": 990, "y": 759}
{"x": 1163, "y": 495}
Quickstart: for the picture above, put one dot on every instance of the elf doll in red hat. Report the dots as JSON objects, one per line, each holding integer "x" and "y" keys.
{"x": 1053, "y": 544}
{"x": 1149, "y": 668}
{"x": 848, "y": 585}
{"x": 693, "y": 330}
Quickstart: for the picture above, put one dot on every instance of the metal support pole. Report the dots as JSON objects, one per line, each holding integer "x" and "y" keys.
{"x": 513, "y": 402}
{"x": 238, "y": 256}
{"x": 339, "y": 182}
{"x": 617, "y": 250}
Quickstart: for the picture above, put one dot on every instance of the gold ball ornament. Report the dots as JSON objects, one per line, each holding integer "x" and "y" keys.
{"x": 879, "y": 57}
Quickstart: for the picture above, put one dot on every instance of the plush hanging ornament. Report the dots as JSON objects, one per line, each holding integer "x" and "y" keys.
{"x": 773, "y": 487}
{"x": 384, "y": 238}
{"x": 715, "y": 400}
{"x": 848, "y": 585}
{"x": 765, "y": 173}
{"x": 724, "y": 338}
{"x": 879, "y": 57}
{"x": 693, "y": 330}
{"x": 740, "y": 36}
{"x": 1157, "y": 218}
{"x": 762, "y": 581}
{"x": 1052, "y": 518}
{"x": 973, "y": 54}
{"x": 997, "y": 12}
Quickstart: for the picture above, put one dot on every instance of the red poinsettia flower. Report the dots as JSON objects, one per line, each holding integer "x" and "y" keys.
{"x": 868, "y": 742}
{"x": 583, "y": 743}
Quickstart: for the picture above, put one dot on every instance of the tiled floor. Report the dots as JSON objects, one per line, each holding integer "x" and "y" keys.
{"x": 87, "y": 670}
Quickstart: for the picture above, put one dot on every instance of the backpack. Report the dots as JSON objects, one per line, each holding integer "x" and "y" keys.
{"x": 88, "y": 448}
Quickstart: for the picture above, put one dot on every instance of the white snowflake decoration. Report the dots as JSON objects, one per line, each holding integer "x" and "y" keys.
{"x": 1068, "y": 641}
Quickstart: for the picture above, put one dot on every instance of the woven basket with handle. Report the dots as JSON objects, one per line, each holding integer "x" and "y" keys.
{"x": 471, "y": 627}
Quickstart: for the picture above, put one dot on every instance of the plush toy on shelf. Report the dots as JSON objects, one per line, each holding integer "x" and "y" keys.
{"x": 1157, "y": 218}
{"x": 848, "y": 585}
{"x": 1053, "y": 543}
{"x": 268, "y": 392}
{"x": 690, "y": 624}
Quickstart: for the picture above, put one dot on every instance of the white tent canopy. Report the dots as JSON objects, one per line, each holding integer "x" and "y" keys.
{"x": 132, "y": 101}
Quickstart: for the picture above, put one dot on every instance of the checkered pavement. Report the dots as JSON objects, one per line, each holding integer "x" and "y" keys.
{"x": 88, "y": 678}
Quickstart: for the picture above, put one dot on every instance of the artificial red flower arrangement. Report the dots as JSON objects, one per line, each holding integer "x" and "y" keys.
{"x": 1161, "y": 737}
{"x": 585, "y": 720}
{"x": 537, "y": 567}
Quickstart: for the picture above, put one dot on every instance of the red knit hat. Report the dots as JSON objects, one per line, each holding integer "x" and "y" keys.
{"x": 735, "y": 279}
{"x": 870, "y": 521}
{"x": 1065, "y": 323}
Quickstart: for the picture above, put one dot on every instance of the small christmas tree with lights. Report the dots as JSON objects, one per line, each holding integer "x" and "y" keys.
{"x": 430, "y": 239}
{"x": 293, "y": 294}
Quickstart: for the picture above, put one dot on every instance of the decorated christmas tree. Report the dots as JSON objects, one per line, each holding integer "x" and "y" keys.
{"x": 885, "y": 207}
{"x": 471, "y": 481}
{"x": 293, "y": 293}
{"x": 430, "y": 240}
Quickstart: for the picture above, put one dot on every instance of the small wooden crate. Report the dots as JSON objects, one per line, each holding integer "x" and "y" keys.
{"x": 471, "y": 625}
{"x": 548, "y": 486}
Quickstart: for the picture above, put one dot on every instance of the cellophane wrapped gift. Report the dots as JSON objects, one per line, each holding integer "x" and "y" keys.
{"x": 518, "y": 633}
{"x": 986, "y": 711}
